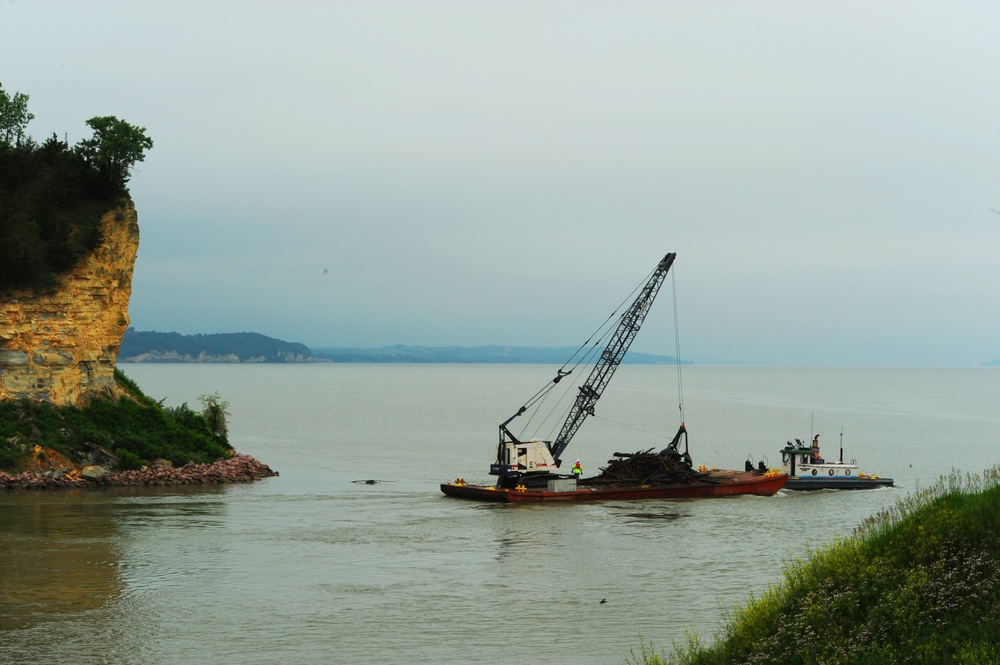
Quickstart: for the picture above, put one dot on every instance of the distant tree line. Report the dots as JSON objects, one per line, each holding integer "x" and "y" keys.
{"x": 493, "y": 354}
{"x": 53, "y": 195}
{"x": 152, "y": 346}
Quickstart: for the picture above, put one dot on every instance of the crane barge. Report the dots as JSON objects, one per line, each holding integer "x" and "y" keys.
{"x": 528, "y": 470}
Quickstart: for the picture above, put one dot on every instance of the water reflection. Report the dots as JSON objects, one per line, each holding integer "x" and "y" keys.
{"x": 69, "y": 565}
{"x": 520, "y": 545}
{"x": 662, "y": 516}
{"x": 59, "y": 557}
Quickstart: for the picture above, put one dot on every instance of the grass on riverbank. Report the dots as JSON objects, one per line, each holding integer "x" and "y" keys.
{"x": 917, "y": 583}
{"x": 134, "y": 429}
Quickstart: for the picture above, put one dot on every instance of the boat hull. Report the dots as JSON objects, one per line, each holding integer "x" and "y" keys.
{"x": 724, "y": 483}
{"x": 820, "y": 483}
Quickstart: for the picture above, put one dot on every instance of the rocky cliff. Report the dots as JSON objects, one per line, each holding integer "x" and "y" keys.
{"x": 61, "y": 347}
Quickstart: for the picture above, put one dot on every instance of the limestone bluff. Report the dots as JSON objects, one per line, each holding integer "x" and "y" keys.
{"x": 61, "y": 347}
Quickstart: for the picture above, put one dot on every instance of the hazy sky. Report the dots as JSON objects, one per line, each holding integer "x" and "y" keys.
{"x": 464, "y": 173}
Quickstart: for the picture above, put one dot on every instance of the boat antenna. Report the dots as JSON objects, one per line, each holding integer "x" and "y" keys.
{"x": 677, "y": 349}
{"x": 841, "y": 445}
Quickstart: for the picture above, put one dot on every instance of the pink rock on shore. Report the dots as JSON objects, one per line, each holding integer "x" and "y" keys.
{"x": 236, "y": 469}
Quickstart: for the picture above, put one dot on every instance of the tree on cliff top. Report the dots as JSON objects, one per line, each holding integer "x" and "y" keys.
{"x": 114, "y": 148}
{"x": 52, "y": 197}
{"x": 14, "y": 117}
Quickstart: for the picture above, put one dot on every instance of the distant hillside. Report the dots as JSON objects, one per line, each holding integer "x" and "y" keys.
{"x": 171, "y": 347}
{"x": 992, "y": 363}
{"x": 468, "y": 354}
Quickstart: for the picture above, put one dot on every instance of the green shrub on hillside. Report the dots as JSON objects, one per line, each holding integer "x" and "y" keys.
{"x": 135, "y": 430}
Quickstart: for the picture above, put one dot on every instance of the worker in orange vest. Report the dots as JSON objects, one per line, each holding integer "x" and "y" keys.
{"x": 577, "y": 470}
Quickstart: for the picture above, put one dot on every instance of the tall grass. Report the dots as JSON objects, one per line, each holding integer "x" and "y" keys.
{"x": 916, "y": 583}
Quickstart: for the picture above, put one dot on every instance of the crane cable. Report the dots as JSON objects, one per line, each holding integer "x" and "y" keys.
{"x": 627, "y": 300}
{"x": 556, "y": 423}
{"x": 543, "y": 393}
{"x": 659, "y": 435}
{"x": 677, "y": 348}
{"x": 601, "y": 338}
{"x": 587, "y": 357}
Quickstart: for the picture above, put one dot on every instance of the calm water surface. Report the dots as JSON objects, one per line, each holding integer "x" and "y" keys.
{"x": 312, "y": 567}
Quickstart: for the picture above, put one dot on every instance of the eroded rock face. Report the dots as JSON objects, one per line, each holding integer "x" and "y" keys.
{"x": 62, "y": 347}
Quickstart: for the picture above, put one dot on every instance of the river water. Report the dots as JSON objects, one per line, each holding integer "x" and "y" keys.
{"x": 314, "y": 567}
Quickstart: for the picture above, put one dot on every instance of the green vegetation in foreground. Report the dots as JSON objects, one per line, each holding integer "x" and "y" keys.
{"x": 135, "y": 429}
{"x": 918, "y": 583}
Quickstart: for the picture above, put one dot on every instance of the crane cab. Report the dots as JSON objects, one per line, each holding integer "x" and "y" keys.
{"x": 519, "y": 457}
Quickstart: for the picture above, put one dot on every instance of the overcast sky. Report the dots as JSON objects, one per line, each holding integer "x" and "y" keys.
{"x": 467, "y": 173}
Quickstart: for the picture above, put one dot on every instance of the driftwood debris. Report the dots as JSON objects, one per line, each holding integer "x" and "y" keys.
{"x": 647, "y": 468}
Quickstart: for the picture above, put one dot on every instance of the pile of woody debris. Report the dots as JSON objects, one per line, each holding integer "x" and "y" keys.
{"x": 648, "y": 468}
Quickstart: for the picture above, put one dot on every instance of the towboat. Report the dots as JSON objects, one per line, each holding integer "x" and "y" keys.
{"x": 808, "y": 470}
{"x": 528, "y": 468}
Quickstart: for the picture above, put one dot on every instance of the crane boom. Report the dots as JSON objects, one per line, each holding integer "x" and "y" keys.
{"x": 535, "y": 461}
{"x": 611, "y": 357}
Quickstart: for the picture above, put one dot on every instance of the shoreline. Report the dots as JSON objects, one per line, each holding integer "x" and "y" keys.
{"x": 236, "y": 469}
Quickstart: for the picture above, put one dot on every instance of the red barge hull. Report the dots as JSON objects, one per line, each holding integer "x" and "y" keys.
{"x": 722, "y": 483}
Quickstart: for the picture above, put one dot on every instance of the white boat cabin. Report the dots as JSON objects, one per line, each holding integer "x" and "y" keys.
{"x": 804, "y": 461}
